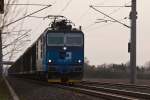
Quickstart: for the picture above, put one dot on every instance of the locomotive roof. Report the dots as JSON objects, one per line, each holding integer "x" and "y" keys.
{"x": 69, "y": 31}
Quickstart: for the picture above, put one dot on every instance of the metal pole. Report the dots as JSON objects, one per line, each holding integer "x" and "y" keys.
{"x": 1, "y": 55}
{"x": 133, "y": 17}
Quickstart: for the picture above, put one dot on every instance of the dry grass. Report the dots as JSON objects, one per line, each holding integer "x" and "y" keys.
{"x": 4, "y": 92}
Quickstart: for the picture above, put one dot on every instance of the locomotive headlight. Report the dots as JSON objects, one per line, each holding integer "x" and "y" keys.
{"x": 79, "y": 61}
{"x": 64, "y": 48}
{"x": 49, "y": 61}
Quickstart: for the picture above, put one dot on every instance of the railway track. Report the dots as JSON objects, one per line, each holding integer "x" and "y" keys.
{"x": 117, "y": 84}
{"x": 107, "y": 93}
{"x": 100, "y": 92}
{"x": 133, "y": 94}
{"x": 140, "y": 88}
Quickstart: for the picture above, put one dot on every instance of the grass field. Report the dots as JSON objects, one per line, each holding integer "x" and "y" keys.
{"x": 4, "y": 92}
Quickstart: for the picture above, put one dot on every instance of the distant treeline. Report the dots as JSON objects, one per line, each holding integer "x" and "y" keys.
{"x": 117, "y": 71}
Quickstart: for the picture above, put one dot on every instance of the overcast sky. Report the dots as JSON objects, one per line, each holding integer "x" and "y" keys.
{"x": 104, "y": 42}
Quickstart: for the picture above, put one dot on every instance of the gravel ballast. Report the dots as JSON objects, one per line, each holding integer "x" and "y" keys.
{"x": 31, "y": 91}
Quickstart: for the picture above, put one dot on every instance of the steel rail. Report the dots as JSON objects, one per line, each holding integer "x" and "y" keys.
{"x": 118, "y": 84}
{"x": 117, "y": 91}
{"x": 95, "y": 93}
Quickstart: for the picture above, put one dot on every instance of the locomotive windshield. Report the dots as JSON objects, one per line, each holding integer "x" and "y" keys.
{"x": 60, "y": 39}
{"x": 55, "y": 39}
{"x": 74, "y": 39}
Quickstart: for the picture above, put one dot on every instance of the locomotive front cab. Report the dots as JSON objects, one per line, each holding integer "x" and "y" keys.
{"x": 65, "y": 56}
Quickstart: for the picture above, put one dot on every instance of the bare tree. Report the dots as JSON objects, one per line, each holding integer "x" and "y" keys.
{"x": 147, "y": 65}
{"x": 11, "y": 42}
{"x": 11, "y": 13}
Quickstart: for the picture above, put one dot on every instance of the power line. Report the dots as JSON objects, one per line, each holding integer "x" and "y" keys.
{"x": 114, "y": 11}
{"x": 83, "y": 14}
{"x": 104, "y": 20}
{"x": 125, "y": 5}
{"x": 102, "y": 2}
{"x": 110, "y": 17}
{"x": 113, "y": 6}
{"x": 103, "y": 25}
{"x": 36, "y": 17}
{"x": 25, "y": 16}
{"x": 28, "y": 4}
{"x": 14, "y": 31}
{"x": 66, "y": 6}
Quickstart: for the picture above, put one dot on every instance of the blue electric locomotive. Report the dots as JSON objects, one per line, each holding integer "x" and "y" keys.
{"x": 57, "y": 55}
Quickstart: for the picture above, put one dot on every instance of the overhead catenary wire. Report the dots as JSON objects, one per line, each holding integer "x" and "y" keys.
{"x": 110, "y": 17}
{"x": 65, "y": 7}
{"x": 102, "y": 26}
{"x": 36, "y": 17}
{"x": 113, "y": 6}
{"x": 14, "y": 31}
{"x": 84, "y": 13}
{"x": 25, "y": 16}
{"x": 124, "y": 6}
{"x": 28, "y": 4}
{"x": 114, "y": 11}
{"x": 102, "y": 2}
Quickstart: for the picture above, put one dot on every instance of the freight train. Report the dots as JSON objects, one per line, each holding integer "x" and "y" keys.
{"x": 56, "y": 56}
